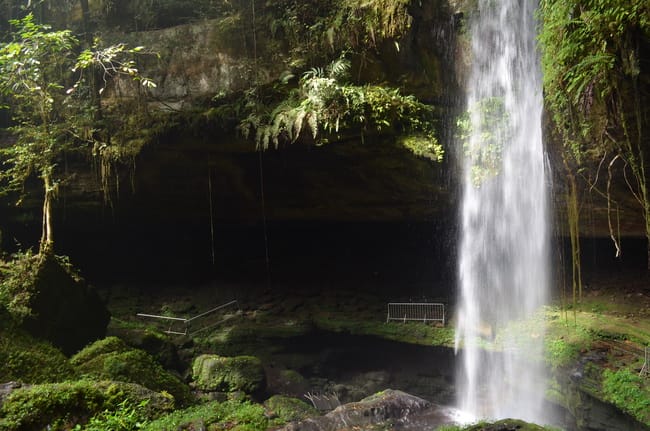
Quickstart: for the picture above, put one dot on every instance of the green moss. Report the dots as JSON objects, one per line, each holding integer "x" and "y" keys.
{"x": 45, "y": 296}
{"x": 98, "y": 348}
{"x": 409, "y": 332}
{"x": 287, "y": 409}
{"x": 233, "y": 415}
{"x": 62, "y": 405}
{"x": 28, "y": 360}
{"x": 111, "y": 359}
{"x": 218, "y": 373}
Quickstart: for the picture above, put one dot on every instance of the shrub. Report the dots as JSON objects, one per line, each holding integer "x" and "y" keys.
{"x": 627, "y": 391}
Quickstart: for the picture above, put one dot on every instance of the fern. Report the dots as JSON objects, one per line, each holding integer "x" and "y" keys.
{"x": 339, "y": 68}
{"x": 324, "y": 105}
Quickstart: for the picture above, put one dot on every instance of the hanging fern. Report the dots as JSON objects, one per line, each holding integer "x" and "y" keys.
{"x": 326, "y": 105}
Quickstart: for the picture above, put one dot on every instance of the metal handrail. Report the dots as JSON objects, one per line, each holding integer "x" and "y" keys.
{"x": 155, "y": 316}
{"x": 187, "y": 322}
{"x": 234, "y": 301}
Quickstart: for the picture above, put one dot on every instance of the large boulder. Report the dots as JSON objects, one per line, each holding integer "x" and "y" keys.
{"x": 387, "y": 406}
{"x": 112, "y": 359}
{"x": 287, "y": 409}
{"x": 214, "y": 373}
{"x": 65, "y": 310}
{"x": 28, "y": 360}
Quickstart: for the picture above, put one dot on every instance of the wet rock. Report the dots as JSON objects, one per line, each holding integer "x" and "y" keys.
{"x": 7, "y": 388}
{"x": 286, "y": 382}
{"x": 66, "y": 311}
{"x": 387, "y": 406}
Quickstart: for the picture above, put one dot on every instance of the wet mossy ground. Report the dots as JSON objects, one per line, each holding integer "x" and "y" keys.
{"x": 598, "y": 340}
{"x": 604, "y": 333}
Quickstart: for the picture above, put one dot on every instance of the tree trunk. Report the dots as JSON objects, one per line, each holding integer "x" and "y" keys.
{"x": 47, "y": 234}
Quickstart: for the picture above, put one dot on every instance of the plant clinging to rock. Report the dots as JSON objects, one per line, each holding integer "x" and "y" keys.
{"x": 325, "y": 106}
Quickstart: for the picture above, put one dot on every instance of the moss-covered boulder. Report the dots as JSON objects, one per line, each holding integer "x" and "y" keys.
{"x": 112, "y": 359}
{"x": 28, "y": 360}
{"x": 228, "y": 374}
{"x": 63, "y": 405}
{"x": 286, "y": 409}
{"x": 155, "y": 342}
{"x": 47, "y": 298}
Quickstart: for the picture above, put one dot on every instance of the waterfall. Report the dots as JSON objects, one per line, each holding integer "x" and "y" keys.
{"x": 503, "y": 256}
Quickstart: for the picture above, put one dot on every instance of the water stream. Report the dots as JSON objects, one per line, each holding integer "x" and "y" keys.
{"x": 503, "y": 258}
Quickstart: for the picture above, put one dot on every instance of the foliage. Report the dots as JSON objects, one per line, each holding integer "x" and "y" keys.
{"x": 629, "y": 392}
{"x": 313, "y": 28}
{"x": 325, "y": 105}
{"x": 560, "y": 353}
{"x": 18, "y": 278}
{"x": 235, "y": 415}
{"x": 19, "y": 281}
{"x": 127, "y": 417}
{"x": 484, "y": 152}
{"x": 63, "y": 405}
{"x": 591, "y": 59}
{"x": 111, "y": 359}
{"x": 54, "y": 104}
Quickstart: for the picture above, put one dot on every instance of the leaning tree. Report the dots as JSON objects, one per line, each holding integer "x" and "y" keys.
{"x": 49, "y": 85}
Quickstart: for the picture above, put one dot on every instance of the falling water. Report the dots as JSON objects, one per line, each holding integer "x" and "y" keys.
{"x": 503, "y": 252}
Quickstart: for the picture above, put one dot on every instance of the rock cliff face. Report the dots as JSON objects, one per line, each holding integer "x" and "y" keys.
{"x": 198, "y": 175}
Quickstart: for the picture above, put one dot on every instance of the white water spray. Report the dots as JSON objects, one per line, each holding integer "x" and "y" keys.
{"x": 504, "y": 246}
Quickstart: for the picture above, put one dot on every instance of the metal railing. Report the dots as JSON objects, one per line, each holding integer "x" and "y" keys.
{"x": 183, "y": 326}
{"x": 418, "y": 311}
